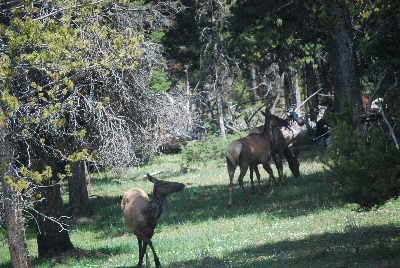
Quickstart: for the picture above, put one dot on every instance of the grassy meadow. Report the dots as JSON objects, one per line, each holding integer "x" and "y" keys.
{"x": 298, "y": 225}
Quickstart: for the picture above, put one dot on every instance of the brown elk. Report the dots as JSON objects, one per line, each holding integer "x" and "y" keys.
{"x": 250, "y": 151}
{"x": 142, "y": 214}
{"x": 278, "y": 147}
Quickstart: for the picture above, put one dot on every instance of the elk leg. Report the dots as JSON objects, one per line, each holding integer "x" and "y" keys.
{"x": 231, "y": 172}
{"x": 259, "y": 180}
{"x": 240, "y": 179}
{"x": 156, "y": 260}
{"x": 279, "y": 166}
{"x": 280, "y": 158}
{"x": 141, "y": 253}
{"x": 268, "y": 169}
{"x": 144, "y": 250}
{"x": 251, "y": 179}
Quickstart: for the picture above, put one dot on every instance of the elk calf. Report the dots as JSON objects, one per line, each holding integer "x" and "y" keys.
{"x": 142, "y": 214}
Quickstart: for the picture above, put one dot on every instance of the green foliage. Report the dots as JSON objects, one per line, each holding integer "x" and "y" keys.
{"x": 366, "y": 168}
{"x": 346, "y": 115}
{"x": 211, "y": 147}
{"x": 159, "y": 81}
{"x": 237, "y": 91}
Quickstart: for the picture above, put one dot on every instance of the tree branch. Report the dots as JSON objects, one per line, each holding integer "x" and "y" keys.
{"x": 389, "y": 126}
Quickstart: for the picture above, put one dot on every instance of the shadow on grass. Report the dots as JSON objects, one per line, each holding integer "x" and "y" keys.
{"x": 374, "y": 246}
{"x": 199, "y": 203}
{"x": 298, "y": 197}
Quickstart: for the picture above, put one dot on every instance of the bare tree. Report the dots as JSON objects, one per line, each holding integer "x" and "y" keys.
{"x": 215, "y": 63}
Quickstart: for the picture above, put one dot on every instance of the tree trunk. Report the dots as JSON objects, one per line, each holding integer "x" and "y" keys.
{"x": 298, "y": 96}
{"x": 311, "y": 87}
{"x": 253, "y": 83}
{"x": 78, "y": 185}
{"x": 52, "y": 238}
{"x": 278, "y": 97}
{"x": 15, "y": 220}
{"x": 221, "y": 116}
{"x": 343, "y": 60}
{"x": 284, "y": 70}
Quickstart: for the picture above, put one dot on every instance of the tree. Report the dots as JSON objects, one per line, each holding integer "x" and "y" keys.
{"x": 76, "y": 70}
{"x": 215, "y": 64}
{"x": 342, "y": 53}
{"x": 365, "y": 152}
{"x": 263, "y": 32}
{"x": 79, "y": 189}
{"x": 14, "y": 218}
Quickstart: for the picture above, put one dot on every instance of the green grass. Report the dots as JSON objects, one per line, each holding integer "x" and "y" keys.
{"x": 300, "y": 225}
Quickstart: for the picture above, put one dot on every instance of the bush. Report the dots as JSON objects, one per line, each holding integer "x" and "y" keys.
{"x": 367, "y": 167}
{"x": 211, "y": 147}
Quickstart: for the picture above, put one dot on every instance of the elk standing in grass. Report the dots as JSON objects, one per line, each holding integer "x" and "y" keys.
{"x": 142, "y": 214}
{"x": 278, "y": 147}
{"x": 250, "y": 151}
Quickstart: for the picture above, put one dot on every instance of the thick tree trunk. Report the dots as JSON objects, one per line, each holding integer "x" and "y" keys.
{"x": 343, "y": 60}
{"x": 78, "y": 190}
{"x": 52, "y": 238}
{"x": 15, "y": 220}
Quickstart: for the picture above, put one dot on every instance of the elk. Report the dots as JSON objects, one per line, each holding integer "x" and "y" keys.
{"x": 250, "y": 151}
{"x": 278, "y": 147}
{"x": 142, "y": 214}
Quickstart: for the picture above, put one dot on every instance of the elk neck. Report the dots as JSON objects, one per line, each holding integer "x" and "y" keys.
{"x": 287, "y": 153}
{"x": 267, "y": 132}
{"x": 157, "y": 205}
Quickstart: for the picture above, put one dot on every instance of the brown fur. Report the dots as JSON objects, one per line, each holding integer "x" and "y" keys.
{"x": 251, "y": 151}
{"x": 279, "y": 148}
{"x": 142, "y": 214}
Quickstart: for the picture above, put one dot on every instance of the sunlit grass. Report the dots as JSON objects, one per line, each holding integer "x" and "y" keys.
{"x": 299, "y": 225}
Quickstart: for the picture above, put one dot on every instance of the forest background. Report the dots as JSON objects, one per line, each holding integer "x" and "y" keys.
{"x": 109, "y": 82}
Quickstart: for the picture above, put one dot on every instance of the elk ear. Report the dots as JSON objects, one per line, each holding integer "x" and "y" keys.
{"x": 151, "y": 179}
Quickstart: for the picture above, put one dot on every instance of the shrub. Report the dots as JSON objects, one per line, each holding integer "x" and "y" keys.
{"x": 367, "y": 167}
{"x": 211, "y": 147}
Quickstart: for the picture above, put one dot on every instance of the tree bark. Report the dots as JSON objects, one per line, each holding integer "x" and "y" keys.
{"x": 342, "y": 59}
{"x": 221, "y": 116}
{"x": 52, "y": 237}
{"x": 284, "y": 71}
{"x": 298, "y": 96}
{"x": 78, "y": 185}
{"x": 15, "y": 220}
{"x": 253, "y": 83}
{"x": 311, "y": 87}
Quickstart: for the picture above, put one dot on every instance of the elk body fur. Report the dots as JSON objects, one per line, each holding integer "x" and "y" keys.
{"x": 251, "y": 151}
{"x": 279, "y": 148}
{"x": 142, "y": 214}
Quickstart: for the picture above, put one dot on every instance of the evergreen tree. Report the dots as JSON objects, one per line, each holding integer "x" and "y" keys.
{"x": 75, "y": 71}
